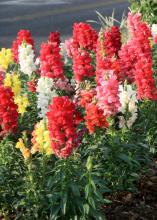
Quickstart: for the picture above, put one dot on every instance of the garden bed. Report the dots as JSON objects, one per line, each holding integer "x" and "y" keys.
{"x": 136, "y": 206}
{"x": 78, "y": 124}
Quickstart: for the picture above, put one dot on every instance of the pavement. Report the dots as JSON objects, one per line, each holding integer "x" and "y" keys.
{"x": 43, "y": 16}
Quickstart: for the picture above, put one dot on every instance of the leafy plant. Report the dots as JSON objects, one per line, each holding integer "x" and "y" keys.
{"x": 148, "y": 9}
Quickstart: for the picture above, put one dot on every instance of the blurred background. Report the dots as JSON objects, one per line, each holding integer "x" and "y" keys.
{"x": 43, "y": 16}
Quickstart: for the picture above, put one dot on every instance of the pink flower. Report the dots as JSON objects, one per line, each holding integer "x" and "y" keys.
{"x": 69, "y": 47}
{"x": 64, "y": 85}
{"x": 107, "y": 94}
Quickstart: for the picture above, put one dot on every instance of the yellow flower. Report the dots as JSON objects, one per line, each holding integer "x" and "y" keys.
{"x": 26, "y": 153}
{"x": 47, "y": 143}
{"x": 41, "y": 139}
{"x": 22, "y": 102}
{"x": 35, "y": 148}
{"x": 6, "y": 58}
{"x": 13, "y": 81}
{"x": 20, "y": 144}
{"x": 16, "y": 84}
{"x": 7, "y": 80}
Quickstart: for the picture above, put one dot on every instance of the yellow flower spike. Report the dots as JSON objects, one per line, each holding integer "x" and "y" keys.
{"x": 20, "y": 144}
{"x": 35, "y": 148}
{"x": 49, "y": 151}
{"x": 16, "y": 84}
{"x": 47, "y": 143}
{"x": 22, "y": 102}
{"x": 13, "y": 81}
{"x": 7, "y": 80}
{"x": 6, "y": 58}
{"x": 26, "y": 153}
{"x": 41, "y": 138}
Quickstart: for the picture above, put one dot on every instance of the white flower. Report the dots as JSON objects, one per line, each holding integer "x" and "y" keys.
{"x": 122, "y": 122}
{"x": 37, "y": 61}
{"x": 45, "y": 90}
{"x": 154, "y": 32}
{"x": 63, "y": 52}
{"x": 131, "y": 120}
{"x": 128, "y": 102}
{"x": 26, "y": 59}
{"x": 132, "y": 106}
{"x": 154, "y": 29}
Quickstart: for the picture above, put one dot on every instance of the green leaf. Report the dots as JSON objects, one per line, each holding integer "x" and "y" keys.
{"x": 64, "y": 203}
{"x": 86, "y": 208}
{"x": 125, "y": 158}
{"x": 54, "y": 212}
{"x": 92, "y": 202}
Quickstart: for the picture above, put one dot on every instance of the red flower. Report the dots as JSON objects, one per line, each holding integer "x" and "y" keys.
{"x": 23, "y": 35}
{"x": 51, "y": 64}
{"x": 82, "y": 65}
{"x": 8, "y": 111}
{"x": 106, "y": 61}
{"x": 112, "y": 41}
{"x": 84, "y": 36}
{"x": 94, "y": 118}
{"x": 140, "y": 42}
{"x": 32, "y": 85}
{"x": 54, "y": 37}
{"x": 86, "y": 97}
{"x": 1, "y": 76}
{"x": 63, "y": 120}
{"x": 93, "y": 115}
{"x": 128, "y": 59}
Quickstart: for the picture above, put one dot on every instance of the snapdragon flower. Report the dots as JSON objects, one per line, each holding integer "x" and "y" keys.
{"x": 26, "y": 59}
{"x": 128, "y": 100}
{"x": 45, "y": 92}
{"x": 6, "y": 58}
{"x": 154, "y": 32}
{"x": 13, "y": 81}
{"x": 41, "y": 139}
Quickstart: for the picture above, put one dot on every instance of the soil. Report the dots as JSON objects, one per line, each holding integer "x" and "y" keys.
{"x": 140, "y": 206}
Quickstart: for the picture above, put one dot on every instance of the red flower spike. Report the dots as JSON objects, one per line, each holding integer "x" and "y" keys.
{"x": 140, "y": 42}
{"x": 94, "y": 118}
{"x": 63, "y": 120}
{"x": 8, "y": 111}
{"x": 23, "y": 35}
{"x": 54, "y": 37}
{"x": 51, "y": 64}
{"x": 84, "y": 36}
{"x": 82, "y": 65}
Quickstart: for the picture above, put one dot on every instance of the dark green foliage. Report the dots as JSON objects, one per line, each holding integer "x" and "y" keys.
{"x": 11, "y": 176}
